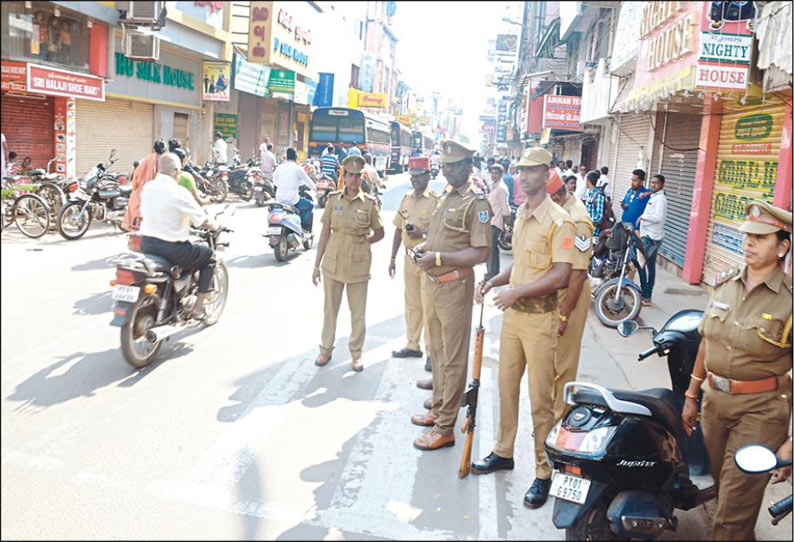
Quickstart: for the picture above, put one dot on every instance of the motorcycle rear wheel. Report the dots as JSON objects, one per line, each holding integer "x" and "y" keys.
{"x": 53, "y": 195}
{"x": 246, "y": 191}
{"x": 67, "y": 223}
{"x": 31, "y": 215}
{"x": 216, "y": 300}
{"x": 594, "y": 525}
{"x": 219, "y": 191}
{"x": 138, "y": 351}
{"x": 610, "y": 315}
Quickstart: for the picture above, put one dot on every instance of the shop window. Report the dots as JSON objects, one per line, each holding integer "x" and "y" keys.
{"x": 37, "y": 35}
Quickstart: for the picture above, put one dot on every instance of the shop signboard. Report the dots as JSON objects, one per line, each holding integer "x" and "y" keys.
{"x": 325, "y": 91}
{"x": 226, "y": 124}
{"x": 280, "y": 34}
{"x": 216, "y": 81}
{"x": 210, "y": 13}
{"x": 372, "y": 99}
{"x": 14, "y": 76}
{"x": 562, "y": 112}
{"x": 46, "y": 80}
{"x": 405, "y": 119}
{"x": 726, "y": 46}
{"x": 250, "y": 78}
{"x": 301, "y": 95}
{"x": 281, "y": 81}
{"x": 173, "y": 78}
{"x": 311, "y": 90}
{"x": 65, "y": 140}
{"x": 501, "y": 127}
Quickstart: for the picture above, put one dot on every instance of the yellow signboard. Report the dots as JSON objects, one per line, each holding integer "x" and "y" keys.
{"x": 403, "y": 119}
{"x": 280, "y": 34}
{"x": 356, "y": 98}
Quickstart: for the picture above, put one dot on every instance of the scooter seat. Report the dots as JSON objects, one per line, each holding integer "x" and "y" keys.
{"x": 156, "y": 263}
{"x": 661, "y": 402}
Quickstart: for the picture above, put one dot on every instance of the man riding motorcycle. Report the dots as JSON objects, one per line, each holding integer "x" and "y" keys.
{"x": 288, "y": 178}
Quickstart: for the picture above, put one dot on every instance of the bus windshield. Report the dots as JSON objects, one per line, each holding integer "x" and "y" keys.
{"x": 337, "y": 126}
{"x": 395, "y": 134}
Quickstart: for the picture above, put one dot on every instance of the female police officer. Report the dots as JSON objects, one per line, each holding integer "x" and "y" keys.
{"x": 350, "y": 215}
{"x": 743, "y": 362}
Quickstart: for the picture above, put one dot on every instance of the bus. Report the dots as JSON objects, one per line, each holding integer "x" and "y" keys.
{"x": 421, "y": 143}
{"x": 345, "y": 127}
{"x": 400, "y": 147}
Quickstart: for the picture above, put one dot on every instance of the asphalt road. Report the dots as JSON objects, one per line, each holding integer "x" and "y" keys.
{"x": 234, "y": 433}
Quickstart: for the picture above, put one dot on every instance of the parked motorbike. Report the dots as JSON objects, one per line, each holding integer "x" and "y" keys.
{"x": 98, "y": 196}
{"x": 325, "y": 185}
{"x": 264, "y": 189}
{"x": 236, "y": 179}
{"x": 757, "y": 459}
{"x": 154, "y": 299}
{"x": 622, "y": 459}
{"x": 284, "y": 228}
{"x": 505, "y": 239}
{"x": 207, "y": 182}
{"x": 617, "y": 297}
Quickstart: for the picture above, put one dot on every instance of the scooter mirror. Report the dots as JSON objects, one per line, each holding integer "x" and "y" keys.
{"x": 755, "y": 458}
{"x": 627, "y": 328}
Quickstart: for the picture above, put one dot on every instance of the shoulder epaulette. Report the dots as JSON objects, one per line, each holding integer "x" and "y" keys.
{"x": 722, "y": 278}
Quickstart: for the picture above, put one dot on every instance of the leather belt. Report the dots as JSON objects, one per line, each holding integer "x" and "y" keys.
{"x": 455, "y": 274}
{"x": 736, "y": 387}
{"x": 537, "y": 305}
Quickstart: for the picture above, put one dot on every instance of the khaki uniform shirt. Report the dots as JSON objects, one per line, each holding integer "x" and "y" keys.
{"x": 744, "y": 331}
{"x": 348, "y": 255}
{"x": 583, "y": 242}
{"x": 416, "y": 210}
{"x": 462, "y": 219}
{"x": 540, "y": 238}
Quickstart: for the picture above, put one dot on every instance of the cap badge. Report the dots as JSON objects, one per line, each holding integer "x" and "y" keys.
{"x": 755, "y": 211}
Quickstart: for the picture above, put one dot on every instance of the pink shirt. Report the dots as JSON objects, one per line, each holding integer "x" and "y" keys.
{"x": 499, "y": 205}
{"x": 518, "y": 195}
{"x": 145, "y": 172}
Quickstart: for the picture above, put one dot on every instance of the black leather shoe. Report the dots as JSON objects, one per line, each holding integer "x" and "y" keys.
{"x": 491, "y": 463}
{"x": 537, "y": 493}
{"x": 428, "y": 365}
{"x": 406, "y": 353}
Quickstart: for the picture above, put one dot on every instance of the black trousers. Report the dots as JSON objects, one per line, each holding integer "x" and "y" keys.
{"x": 186, "y": 255}
{"x": 492, "y": 265}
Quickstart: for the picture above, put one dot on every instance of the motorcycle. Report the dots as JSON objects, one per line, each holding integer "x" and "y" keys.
{"x": 757, "y": 459}
{"x": 622, "y": 461}
{"x": 98, "y": 196}
{"x": 264, "y": 189}
{"x": 207, "y": 182}
{"x": 285, "y": 231}
{"x": 154, "y": 299}
{"x": 617, "y": 297}
{"x": 236, "y": 178}
{"x": 505, "y": 239}
{"x": 325, "y": 185}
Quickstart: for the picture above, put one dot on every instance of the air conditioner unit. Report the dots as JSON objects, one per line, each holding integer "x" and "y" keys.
{"x": 140, "y": 13}
{"x": 141, "y": 46}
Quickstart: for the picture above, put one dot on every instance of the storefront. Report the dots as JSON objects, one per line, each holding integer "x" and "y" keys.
{"x": 632, "y": 151}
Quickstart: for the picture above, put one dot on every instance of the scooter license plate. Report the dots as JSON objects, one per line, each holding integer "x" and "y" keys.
{"x": 126, "y": 293}
{"x": 569, "y": 488}
{"x": 274, "y": 230}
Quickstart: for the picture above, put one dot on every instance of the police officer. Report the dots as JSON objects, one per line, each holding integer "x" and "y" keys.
{"x": 575, "y": 299}
{"x": 351, "y": 223}
{"x": 742, "y": 365}
{"x": 458, "y": 239}
{"x": 543, "y": 246}
{"x": 411, "y": 222}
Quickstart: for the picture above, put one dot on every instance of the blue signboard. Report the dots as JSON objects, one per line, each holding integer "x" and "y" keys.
{"x": 324, "y": 97}
{"x": 312, "y": 90}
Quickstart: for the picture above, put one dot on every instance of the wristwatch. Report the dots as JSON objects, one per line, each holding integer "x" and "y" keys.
{"x": 438, "y": 259}
{"x": 563, "y": 318}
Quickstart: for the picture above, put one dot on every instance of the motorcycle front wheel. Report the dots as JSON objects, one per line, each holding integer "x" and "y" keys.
{"x": 216, "y": 300}
{"x": 219, "y": 191}
{"x": 610, "y": 313}
{"x": 137, "y": 349}
{"x": 70, "y": 225}
{"x": 246, "y": 191}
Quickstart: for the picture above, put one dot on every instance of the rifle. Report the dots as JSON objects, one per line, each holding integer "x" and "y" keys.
{"x": 470, "y": 400}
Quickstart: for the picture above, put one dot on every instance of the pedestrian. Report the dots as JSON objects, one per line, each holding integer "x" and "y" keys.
{"x": 561, "y": 168}
{"x": 595, "y": 201}
{"x": 581, "y": 182}
{"x": 569, "y": 168}
{"x": 5, "y": 156}
{"x": 288, "y": 178}
{"x": 328, "y": 148}
{"x": 14, "y": 165}
{"x": 186, "y": 180}
{"x": 354, "y": 151}
{"x": 267, "y": 160}
{"x": 744, "y": 364}
{"x": 220, "y": 149}
{"x": 498, "y": 198}
{"x": 351, "y": 223}
{"x": 371, "y": 175}
{"x": 458, "y": 239}
{"x": 144, "y": 172}
{"x": 510, "y": 182}
{"x": 174, "y": 144}
{"x": 412, "y": 222}
{"x": 543, "y": 244}
{"x": 570, "y": 183}
{"x": 329, "y": 164}
{"x": 575, "y": 299}
{"x": 635, "y": 200}
{"x": 604, "y": 184}
{"x": 651, "y": 232}
{"x": 341, "y": 153}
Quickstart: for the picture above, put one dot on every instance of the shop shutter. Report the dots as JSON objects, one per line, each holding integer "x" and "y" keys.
{"x": 124, "y": 125}
{"x": 747, "y": 160}
{"x": 632, "y": 141}
{"x": 27, "y": 123}
{"x": 681, "y": 137}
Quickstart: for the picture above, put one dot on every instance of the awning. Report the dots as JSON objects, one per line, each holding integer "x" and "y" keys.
{"x": 644, "y": 98}
{"x": 773, "y": 29}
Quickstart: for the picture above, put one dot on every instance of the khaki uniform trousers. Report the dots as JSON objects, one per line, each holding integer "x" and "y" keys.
{"x": 356, "y": 301}
{"x": 569, "y": 347}
{"x": 730, "y": 422}
{"x": 448, "y": 311}
{"x": 527, "y": 340}
{"x": 414, "y": 301}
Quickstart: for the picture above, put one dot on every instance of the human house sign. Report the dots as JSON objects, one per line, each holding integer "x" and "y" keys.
{"x": 280, "y": 34}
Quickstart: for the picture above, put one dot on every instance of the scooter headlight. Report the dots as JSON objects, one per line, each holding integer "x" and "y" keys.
{"x": 596, "y": 440}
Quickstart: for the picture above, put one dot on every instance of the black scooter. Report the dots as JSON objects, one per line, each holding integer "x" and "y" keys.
{"x": 622, "y": 459}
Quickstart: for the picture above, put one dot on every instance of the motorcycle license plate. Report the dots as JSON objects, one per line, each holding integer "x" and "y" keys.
{"x": 126, "y": 293}
{"x": 569, "y": 488}
{"x": 274, "y": 230}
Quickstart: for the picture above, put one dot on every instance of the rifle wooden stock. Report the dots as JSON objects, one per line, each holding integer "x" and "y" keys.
{"x": 465, "y": 460}
{"x": 471, "y": 399}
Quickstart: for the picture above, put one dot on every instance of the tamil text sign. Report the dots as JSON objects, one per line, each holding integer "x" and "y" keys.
{"x": 14, "y": 76}
{"x": 562, "y": 112}
{"x": 280, "y": 34}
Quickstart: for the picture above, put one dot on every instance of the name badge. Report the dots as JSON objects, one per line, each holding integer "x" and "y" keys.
{"x": 721, "y": 306}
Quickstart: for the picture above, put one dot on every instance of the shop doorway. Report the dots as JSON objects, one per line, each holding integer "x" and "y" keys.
{"x": 182, "y": 129}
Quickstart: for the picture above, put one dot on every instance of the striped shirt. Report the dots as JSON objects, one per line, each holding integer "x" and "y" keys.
{"x": 330, "y": 165}
{"x": 594, "y": 201}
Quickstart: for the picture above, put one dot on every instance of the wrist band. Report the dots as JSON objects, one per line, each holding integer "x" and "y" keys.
{"x": 696, "y": 377}
{"x": 690, "y": 396}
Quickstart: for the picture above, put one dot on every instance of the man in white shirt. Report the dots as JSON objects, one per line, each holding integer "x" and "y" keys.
{"x": 288, "y": 178}
{"x": 652, "y": 232}
{"x": 371, "y": 174}
{"x": 219, "y": 149}
{"x": 168, "y": 210}
{"x": 604, "y": 183}
{"x": 581, "y": 182}
{"x": 267, "y": 159}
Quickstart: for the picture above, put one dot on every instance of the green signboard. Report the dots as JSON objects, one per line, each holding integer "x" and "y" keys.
{"x": 226, "y": 123}
{"x": 154, "y": 72}
{"x": 281, "y": 81}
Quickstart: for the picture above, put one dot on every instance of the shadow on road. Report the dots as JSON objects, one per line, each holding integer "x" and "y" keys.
{"x": 259, "y": 261}
{"x": 94, "y": 304}
{"x": 93, "y": 265}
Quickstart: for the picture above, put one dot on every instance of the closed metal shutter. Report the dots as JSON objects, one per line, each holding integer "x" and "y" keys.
{"x": 124, "y": 125}
{"x": 632, "y": 153}
{"x": 747, "y": 161}
{"x": 28, "y": 126}
{"x": 681, "y": 136}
